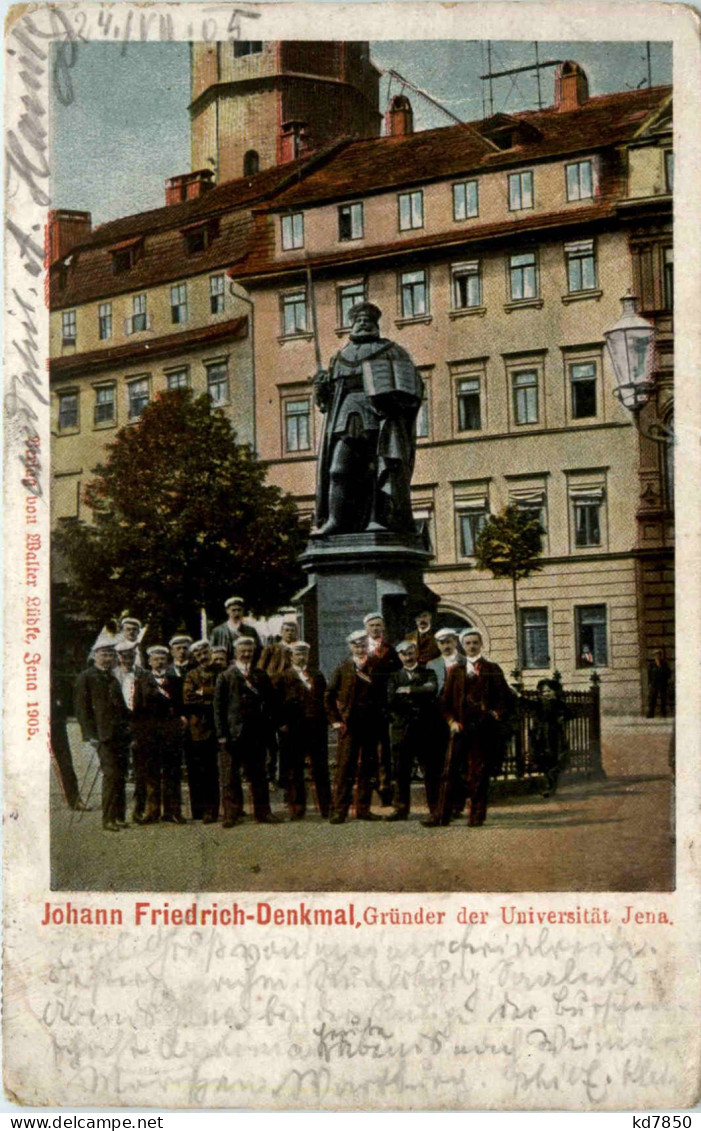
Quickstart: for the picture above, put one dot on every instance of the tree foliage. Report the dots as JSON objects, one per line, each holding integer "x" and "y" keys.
{"x": 510, "y": 544}
{"x": 183, "y": 518}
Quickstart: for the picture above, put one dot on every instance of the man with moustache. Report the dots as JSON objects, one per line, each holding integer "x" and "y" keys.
{"x": 233, "y": 627}
{"x": 158, "y": 729}
{"x": 275, "y": 659}
{"x": 411, "y": 700}
{"x": 125, "y": 673}
{"x": 303, "y": 731}
{"x": 353, "y": 705}
{"x": 424, "y": 637}
{"x": 476, "y": 704}
{"x": 382, "y": 661}
{"x": 244, "y": 715}
{"x": 203, "y": 760}
{"x": 104, "y": 722}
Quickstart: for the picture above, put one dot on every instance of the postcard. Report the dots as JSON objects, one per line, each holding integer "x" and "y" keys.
{"x": 351, "y": 542}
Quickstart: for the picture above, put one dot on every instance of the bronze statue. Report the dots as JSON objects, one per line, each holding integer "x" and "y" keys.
{"x": 371, "y": 394}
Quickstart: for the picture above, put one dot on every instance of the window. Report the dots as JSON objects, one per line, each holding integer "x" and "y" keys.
{"x": 580, "y": 180}
{"x": 348, "y": 296}
{"x": 422, "y": 427}
{"x": 590, "y": 627}
{"x": 218, "y": 382}
{"x": 581, "y": 266}
{"x": 138, "y": 397}
{"x": 531, "y": 502}
{"x": 465, "y": 200}
{"x": 247, "y": 47}
{"x": 68, "y": 327}
{"x": 525, "y": 390}
{"x": 587, "y": 518}
{"x": 411, "y": 210}
{"x": 297, "y": 424}
{"x": 216, "y": 294}
{"x": 178, "y": 303}
{"x": 522, "y": 276}
{"x": 469, "y": 407}
{"x": 251, "y": 163}
{"x": 668, "y": 278}
{"x": 292, "y": 231}
{"x": 178, "y": 379}
{"x": 104, "y": 412}
{"x": 583, "y": 389}
{"x": 471, "y": 519}
{"x": 139, "y": 319}
{"x": 534, "y": 638}
{"x": 520, "y": 191}
{"x": 67, "y": 411}
{"x": 350, "y": 222}
{"x": 104, "y": 320}
{"x": 467, "y": 286}
{"x": 413, "y": 294}
{"x": 294, "y": 313}
{"x": 669, "y": 170}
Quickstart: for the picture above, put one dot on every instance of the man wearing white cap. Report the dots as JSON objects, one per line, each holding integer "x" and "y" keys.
{"x": 476, "y": 704}
{"x": 354, "y": 705}
{"x": 203, "y": 759}
{"x": 276, "y": 659}
{"x": 125, "y": 673}
{"x": 158, "y": 729}
{"x": 104, "y": 722}
{"x": 131, "y": 631}
{"x": 382, "y": 660}
{"x": 411, "y": 699}
{"x": 447, "y": 641}
{"x": 303, "y": 730}
{"x": 234, "y": 627}
{"x": 244, "y": 715}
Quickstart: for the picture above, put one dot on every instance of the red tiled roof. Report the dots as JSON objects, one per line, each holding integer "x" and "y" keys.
{"x": 62, "y": 367}
{"x": 261, "y": 262}
{"x": 376, "y": 164}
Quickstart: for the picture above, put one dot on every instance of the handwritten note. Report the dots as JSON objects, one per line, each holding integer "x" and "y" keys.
{"x": 313, "y": 1018}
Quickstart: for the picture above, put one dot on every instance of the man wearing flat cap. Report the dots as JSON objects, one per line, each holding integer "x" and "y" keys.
{"x": 234, "y": 626}
{"x": 202, "y": 752}
{"x": 130, "y": 631}
{"x": 158, "y": 728}
{"x": 382, "y": 661}
{"x": 370, "y": 394}
{"x": 303, "y": 731}
{"x": 411, "y": 700}
{"x": 354, "y": 705}
{"x": 275, "y": 659}
{"x": 104, "y": 722}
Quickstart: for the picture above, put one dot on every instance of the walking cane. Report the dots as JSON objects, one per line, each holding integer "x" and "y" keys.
{"x": 444, "y": 792}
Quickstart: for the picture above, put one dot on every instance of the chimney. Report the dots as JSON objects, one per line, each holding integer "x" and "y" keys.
{"x": 399, "y": 119}
{"x": 65, "y": 230}
{"x": 293, "y": 141}
{"x": 571, "y": 86}
{"x": 188, "y": 186}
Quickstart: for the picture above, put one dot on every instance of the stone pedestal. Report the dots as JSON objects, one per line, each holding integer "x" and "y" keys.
{"x": 351, "y": 575}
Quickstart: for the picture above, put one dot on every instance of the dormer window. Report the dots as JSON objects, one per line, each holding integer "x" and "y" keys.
{"x": 506, "y": 132}
{"x": 199, "y": 236}
{"x": 125, "y": 254}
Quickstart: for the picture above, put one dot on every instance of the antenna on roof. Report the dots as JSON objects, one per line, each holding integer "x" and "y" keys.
{"x": 649, "y": 64}
{"x": 537, "y": 67}
{"x": 423, "y": 94}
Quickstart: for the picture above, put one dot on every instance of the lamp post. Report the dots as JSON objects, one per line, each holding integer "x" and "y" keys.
{"x": 631, "y": 347}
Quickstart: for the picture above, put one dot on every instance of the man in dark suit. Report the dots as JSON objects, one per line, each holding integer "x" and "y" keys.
{"x": 659, "y": 674}
{"x": 203, "y": 748}
{"x": 158, "y": 726}
{"x": 449, "y": 657}
{"x": 476, "y": 704}
{"x": 447, "y": 641}
{"x": 233, "y": 627}
{"x": 424, "y": 637}
{"x": 104, "y": 722}
{"x": 354, "y": 703}
{"x": 411, "y": 700}
{"x": 303, "y": 729}
{"x": 244, "y": 715}
{"x": 382, "y": 660}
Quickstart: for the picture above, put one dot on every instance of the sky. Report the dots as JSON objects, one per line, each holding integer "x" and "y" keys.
{"x": 127, "y": 127}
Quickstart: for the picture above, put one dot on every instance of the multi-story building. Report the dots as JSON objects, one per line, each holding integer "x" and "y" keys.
{"x": 498, "y": 252}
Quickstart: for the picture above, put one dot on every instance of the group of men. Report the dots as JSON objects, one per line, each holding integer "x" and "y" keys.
{"x": 228, "y": 708}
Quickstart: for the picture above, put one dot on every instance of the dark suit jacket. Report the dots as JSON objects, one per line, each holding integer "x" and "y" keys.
{"x": 298, "y": 704}
{"x": 179, "y": 681}
{"x": 349, "y": 693}
{"x": 427, "y": 645}
{"x": 474, "y": 700}
{"x": 438, "y": 666}
{"x": 417, "y": 707}
{"x": 153, "y": 705}
{"x": 222, "y": 638}
{"x": 244, "y": 710}
{"x": 99, "y": 706}
{"x": 384, "y": 661}
{"x": 198, "y": 702}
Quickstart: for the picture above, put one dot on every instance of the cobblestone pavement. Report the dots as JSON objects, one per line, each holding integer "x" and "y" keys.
{"x": 612, "y": 835}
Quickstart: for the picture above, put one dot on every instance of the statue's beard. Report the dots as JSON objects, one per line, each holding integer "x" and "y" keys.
{"x": 364, "y": 335}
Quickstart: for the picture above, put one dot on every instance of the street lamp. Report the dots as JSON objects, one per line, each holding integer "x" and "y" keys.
{"x": 631, "y": 347}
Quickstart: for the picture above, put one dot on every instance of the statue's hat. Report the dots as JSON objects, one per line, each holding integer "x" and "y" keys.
{"x": 365, "y": 308}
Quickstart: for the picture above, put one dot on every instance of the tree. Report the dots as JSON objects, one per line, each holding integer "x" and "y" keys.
{"x": 509, "y": 545}
{"x": 183, "y": 518}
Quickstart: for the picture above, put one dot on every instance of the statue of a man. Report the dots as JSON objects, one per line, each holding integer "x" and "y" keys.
{"x": 370, "y": 394}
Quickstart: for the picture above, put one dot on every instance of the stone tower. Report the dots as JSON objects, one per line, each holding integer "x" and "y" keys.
{"x": 255, "y": 104}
